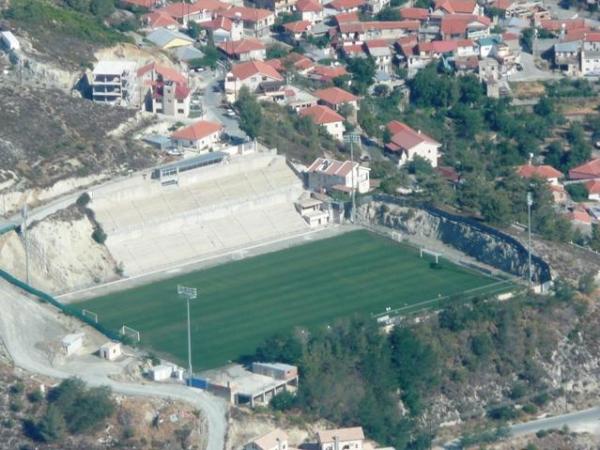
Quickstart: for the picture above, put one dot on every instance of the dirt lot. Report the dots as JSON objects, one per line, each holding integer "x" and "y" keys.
{"x": 70, "y": 138}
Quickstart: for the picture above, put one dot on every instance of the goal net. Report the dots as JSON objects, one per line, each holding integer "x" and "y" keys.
{"x": 89, "y": 314}
{"x": 130, "y": 333}
{"x": 436, "y": 255}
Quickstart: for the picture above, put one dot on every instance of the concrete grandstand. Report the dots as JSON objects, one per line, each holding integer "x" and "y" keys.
{"x": 237, "y": 203}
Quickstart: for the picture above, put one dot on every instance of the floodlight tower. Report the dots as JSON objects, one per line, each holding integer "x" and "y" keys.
{"x": 24, "y": 214}
{"x": 351, "y": 138}
{"x": 529, "y": 205}
{"x": 188, "y": 294}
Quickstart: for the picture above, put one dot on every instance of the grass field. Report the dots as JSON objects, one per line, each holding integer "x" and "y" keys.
{"x": 241, "y": 303}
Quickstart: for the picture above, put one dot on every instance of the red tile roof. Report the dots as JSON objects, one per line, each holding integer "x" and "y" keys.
{"x": 343, "y": 5}
{"x": 438, "y": 46}
{"x": 197, "y": 131}
{"x": 248, "y": 14}
{"x": 510, "y": 36}
{"x": 347, "y": 17}
{"x": 361, "y": 27}
{"x": 590, "y": 169}
{"x": 331, "y": 167}
{"x": 308, "y": 6}
{"x": 544, "y": 171}
{"x": 158, "y": 19}
{"x": 297, "y": 27}
{"x": 182, "y": 9}
{"x": 405, "y": 137}
{"x": 321, "y": 114}
{"x": 378, "y": 43}
{"x": 592, "y": 37}
{"x": 335, "y": 96}
{"x": 557, "y": 25}
{"x": 414, "y": 13}
{"x": 236, "y": 48}
{"x": 456, "y": 6}
{"x": 458, "y": 23}
{"x": 593, "y": 187}
{"x": 142, "y": 3}
{"x": 329, "y": 72}
{"x": 502, "y": 4}
{"x": 218, "y": 23}
{"x": 580, "y": 215}
{"x": 165, "y": 72}
{"x": 245, "y": 70}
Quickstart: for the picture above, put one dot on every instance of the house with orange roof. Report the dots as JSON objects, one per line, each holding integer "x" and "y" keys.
{"x": 345, "y": 6}
{"x": 580, "y": 218}
{"x": 296, "y": 30}
{"x": 244, "y": 50}
{"x": 251, "y": 74}
{"x": 166, "y": 90}
{"x": 329, "y": 174}
{"x": 224, "y": 29}
{"x": 346, "y": 17}
{"x": 593, "y": 190}
{"x": 257, "y": 21}
{"x": 363, "y": 31}
{"x": 587, "y": 171}
{"x": 406, "y": 143}
{"x": 341, "y": 438}
{"x": 199, "y": 11}
{"x": 159, "y": 19}
{"x": 456, "y": 26}
{"x": 381, "y": 52}
{"x": 273, "y": 440}
{"x": 444, "y": 7}
{"x": 277, "y": 6}
{"x": 590, "y": 54}
{"x": 310, "y": 10}
{"x": 327, "y": 73}
{"x": 327, "y": 118}
{"x": 335, "y": 98}
{"x": 544, "y": 172}
{"x": 198, "y": 136}
{"x": 410, "y": 13}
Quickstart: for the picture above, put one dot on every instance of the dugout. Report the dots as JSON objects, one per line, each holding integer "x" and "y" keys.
{"x": 168, "y": 173}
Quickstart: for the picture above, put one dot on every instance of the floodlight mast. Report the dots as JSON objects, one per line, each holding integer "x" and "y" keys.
{"x": 189, "y": 294}
{"x": 352, "y": 138}
{"x": 529, "y": 205}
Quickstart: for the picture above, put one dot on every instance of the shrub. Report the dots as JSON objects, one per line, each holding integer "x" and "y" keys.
{"x": 283, "y": 401}
{"x": 530, "y": 408}
{"x": 17, "y": 388}
{"x": 503, "y": 413}
{"x": 518, "y": 390}
{"x": 35, "y": 396}
{"x": 83, "y": 200}
{"x": 52, "y": 427}
{"x": 16, "y": 405}
{"x": 99, "y": 235}
{"x": 541, "y": 399}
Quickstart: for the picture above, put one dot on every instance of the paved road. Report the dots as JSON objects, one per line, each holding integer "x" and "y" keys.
{"x": 530, "y": 72}
{"x": 27, "y": 328}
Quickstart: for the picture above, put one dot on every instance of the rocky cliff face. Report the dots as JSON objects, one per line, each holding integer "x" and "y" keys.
{"x": 484, "y": 247}
{"x": 63, "y": 255}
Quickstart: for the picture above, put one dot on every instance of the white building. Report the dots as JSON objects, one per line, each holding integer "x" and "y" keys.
{"x": 110, "y": 350}
{"x": 199, "y": 136}
{"x": 72, "y": 343}
{"x": 9, "y": 41}
{"x": 590, "y": 55}
{"x": 314, "y": 212}
{"x": 324, "y": 174}
{"x": 341, "y": 439}
{"x": 326, "y": 118}
{"x": 405, "y": 144}
{"x": 161, "y": 372}
{"x": 115, "y": 83}
{"x": 274, "y": 440}
{"x": 251, "y": 74}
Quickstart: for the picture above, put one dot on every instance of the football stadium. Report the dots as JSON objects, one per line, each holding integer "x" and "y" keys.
{"x": 241, "y": 303}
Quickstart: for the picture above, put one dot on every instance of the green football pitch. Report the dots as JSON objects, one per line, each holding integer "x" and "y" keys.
{"x": 241, "y": 303}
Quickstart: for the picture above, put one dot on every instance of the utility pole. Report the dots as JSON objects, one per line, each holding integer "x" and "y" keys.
{"x": 529, "y": 205}
{"x": 26, "y": 242}
{"x": 352, "y": 138}
{"x": 189, "y": 294}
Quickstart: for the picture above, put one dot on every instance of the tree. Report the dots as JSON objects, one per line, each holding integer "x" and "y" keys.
{"x": 587, "y": 283}
{"x": 496, "y": 209}
{"x": 250, "y": 113}
{"x": 595, "y": 238}
{"x": 194, "y": 29}
{"x": 363, "y": 71}
{"x": 280, "y": 347}
{"x": 283, "y": 401}
{"x": 276, "y": 51}
{"x": 102, "y": 8}
{"x": 381, "y": 90}
{"x": 388, "y": 14}
{"x": 52, "y": 426}
{"x": 79, "y": 5}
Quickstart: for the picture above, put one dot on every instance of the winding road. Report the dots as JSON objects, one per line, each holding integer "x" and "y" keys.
{"x": 26, "y": 329}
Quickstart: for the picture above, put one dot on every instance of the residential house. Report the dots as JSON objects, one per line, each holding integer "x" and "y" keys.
{"x": 314, "y": 211}
{"x": 489, "y": 69}
{"x": 300, "y": 63}
{"x": 405, "y": 144}
{"x": 588, "y": 171}
{"x": 456, "y": 26}
{"x": 257, "y": 22}
{"x": 330, "y": 174}
{"x": 167, "y": 91}
{"x": 567, "y": 56}
{"x": 115, "y": 83}
{"x": 327, "y": 73}
{"x": 346, "y": 17}
{"x": 199, "y": 136}
{"x": 341, "y": 439}
{"x": 346, "y": 6}
{"x": 250, "y": 74}
{"x": 159, "y": 19}
{"x": 381, "y": 52}
{"x": 199, "y": 11}
{"x": 225, "y": 29}
{"x": 187, "y": 54}
{"x": 445, "y": 7}
{"x": 590, "y": 55}
{"x": 437, "y": 49}
{"x": 487, "y": 44}
{"x": 244, "y": 50}
{"x": 375, "y": 6}
{"x": 277, "y": 6}
{"x": 327, "y": 118}
{"x": 593, "y": 189}
{"x": 165, "y": 38}
{"x": 290, "y": 96}
{"x": 274, "y": 440}
{"x": 421, "y": 14}
{"x": 335, "y": 98}
{"x": 559, "y": 27}
{"x": 310, "y": 10}
{"x": 580, "y": 218}
{"x": 295, "y": 31}
{"x": 548, "y": 174}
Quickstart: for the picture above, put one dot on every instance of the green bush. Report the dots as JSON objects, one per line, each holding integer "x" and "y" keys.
{"x": 503, "y": 413}
{"x": 99, "y": 235}
{"x": 52, "y": 426}
{"x": 283, "y": 401}
{"x": 35, "y": 396}
{"x": 83, "y": 200}
{"x": 530, "y": 408}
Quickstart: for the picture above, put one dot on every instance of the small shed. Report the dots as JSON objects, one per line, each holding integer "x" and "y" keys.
{"x": 161, "y": 372}
{"x": 71, "y": 343}
{"x": 111, "y": 350}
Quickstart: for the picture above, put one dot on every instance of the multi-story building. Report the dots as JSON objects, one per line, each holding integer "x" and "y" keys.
{"x": 252, "y": 74}
{"x": 590, "y": 55}
{"x": 115, "y": 83}
{"x": 327, "y": 118}
{"x": 341, "y": 439}
{"x": 257, "y": 22}
{"x": 325, "y": 174}
{"x": 406, "y": 144}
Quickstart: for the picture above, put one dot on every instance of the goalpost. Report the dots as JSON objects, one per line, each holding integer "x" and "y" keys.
{"x": 130, "y": 332}
{"x": 425, "y": 251}
{"x": 90, "y": 314}
{"x": 396, "y": 236}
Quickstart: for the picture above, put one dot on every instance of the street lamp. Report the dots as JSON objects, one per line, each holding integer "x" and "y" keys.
{"x": 188, "y": 294}
{"x": 351, "y": 138}
{"x": 529, "y": 205}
